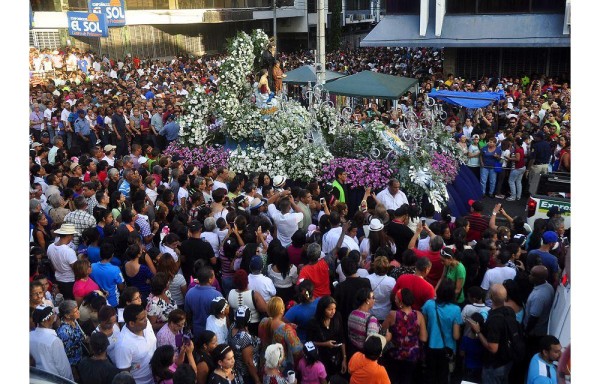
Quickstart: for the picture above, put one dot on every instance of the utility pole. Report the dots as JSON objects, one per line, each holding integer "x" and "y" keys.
{"x": 275, "y": 26}
{"x": 320, "y": 57}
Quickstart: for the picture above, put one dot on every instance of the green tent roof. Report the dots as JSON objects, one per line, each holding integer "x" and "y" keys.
{"x": 371, "y": 84}
{"x": 307, "y": 73}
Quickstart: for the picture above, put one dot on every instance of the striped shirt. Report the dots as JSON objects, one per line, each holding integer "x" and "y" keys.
{"x": 358, "y": 329}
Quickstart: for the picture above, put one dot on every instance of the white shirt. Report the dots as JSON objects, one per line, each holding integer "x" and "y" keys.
{"x": 64, "y": 115}
{"x": 112, "y": 340}
{"x": 110, "y": 161}
{"x": 219, "y": 184}
{"x": 262, "y": 284}
{"x": 286, "y": 224}
{"x": 382, "y": 288}
{"x": 331, "y": 238}
{"x": 219, "y": 327}
{"x": 152, "y": 194}
{"x": 497, "y": 276}
{"x": 468, "y": 131}
{"x": 164, "y": 249}
{"x": 62, "y": 256}
{"x": 365, "y": 247}
{"x": 211, "y": 238}
{"x": 182, "y": 193}
{"x": 134, "y": 352}
{"x": 392, "y": 202}
{"x": 48, "y": 352}
{"x": 341, "y": 277}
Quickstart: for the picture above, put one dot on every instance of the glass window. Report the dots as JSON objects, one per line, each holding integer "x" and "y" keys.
{"x": 402, "y": 6}
{"x": 146, "y": 4}
{"x": 356, "y": 5}
{"x": 503, "y": 6}
{"x": 42, "y": 5}
{"x": 461, "y": 6}
{"x": 77, "y": 5}
{"x": 554, "y": 6}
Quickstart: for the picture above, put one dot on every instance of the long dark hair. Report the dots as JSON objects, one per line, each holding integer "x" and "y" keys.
{"x": 282, "y": 261}
{"x": 160, "y": 362}
{"x": 322, "y": 304}
{"x": 378, "y": 239}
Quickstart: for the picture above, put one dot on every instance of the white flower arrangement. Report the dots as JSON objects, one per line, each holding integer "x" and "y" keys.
{"x": 328, "y": 119}
{"x": 193, "y": 124}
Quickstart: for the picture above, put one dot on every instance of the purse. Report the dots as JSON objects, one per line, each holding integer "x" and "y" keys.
{"x": 449, "y": 352}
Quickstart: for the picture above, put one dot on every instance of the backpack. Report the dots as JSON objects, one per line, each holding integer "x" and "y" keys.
{"x": 514, "y": 349}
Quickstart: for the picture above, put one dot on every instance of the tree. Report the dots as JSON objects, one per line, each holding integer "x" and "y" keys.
{"x": 335, "y": 29}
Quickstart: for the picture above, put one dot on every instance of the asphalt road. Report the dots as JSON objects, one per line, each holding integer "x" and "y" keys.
{"x": 513, "y": 208}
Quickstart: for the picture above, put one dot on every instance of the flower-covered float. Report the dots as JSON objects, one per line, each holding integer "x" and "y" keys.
{"x": 240, "y": 128}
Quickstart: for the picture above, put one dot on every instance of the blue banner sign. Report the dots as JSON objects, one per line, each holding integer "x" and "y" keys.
{"x": 87, "y": 24}
{"x": 114, "y": 10}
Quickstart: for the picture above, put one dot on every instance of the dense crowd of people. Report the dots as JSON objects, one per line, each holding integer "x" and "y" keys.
{"x": 148, "y": 270}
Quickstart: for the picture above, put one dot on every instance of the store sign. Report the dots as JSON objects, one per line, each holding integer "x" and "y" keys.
{"x": 87, "y": 24}
{"x": 114, "y": 10}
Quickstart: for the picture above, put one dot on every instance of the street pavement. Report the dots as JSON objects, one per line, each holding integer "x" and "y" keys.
{"x": 513, "y": 208}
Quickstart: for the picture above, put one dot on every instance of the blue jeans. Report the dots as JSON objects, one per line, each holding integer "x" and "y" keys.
{"x": 491, "y": 375}
{"x": 488, "y": 173}
{"x": 226, "y": 285}
{"x": 514, "y": 182}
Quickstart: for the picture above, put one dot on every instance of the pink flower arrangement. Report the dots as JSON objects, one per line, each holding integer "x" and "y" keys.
{"x": 361, "y": 172}
{"x": 199, "y": 156}
{"x": 445, "y": 166}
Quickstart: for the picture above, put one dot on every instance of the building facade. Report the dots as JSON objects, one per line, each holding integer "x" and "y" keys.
{"x": 482, "y": 37}
{"x": 163, "y": 28}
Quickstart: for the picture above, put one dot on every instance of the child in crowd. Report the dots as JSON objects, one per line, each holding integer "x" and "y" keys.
{"x": 310, "y": 369}
{"x": 217, "y": 321}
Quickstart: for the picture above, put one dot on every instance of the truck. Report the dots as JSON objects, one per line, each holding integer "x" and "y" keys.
{"x": 553, "y": 190}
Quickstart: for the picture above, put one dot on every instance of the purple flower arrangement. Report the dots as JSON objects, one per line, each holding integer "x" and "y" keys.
{"x": 199, "y": 156}
{"x": 445, "y": 166}
{"x": 361, "y": 172}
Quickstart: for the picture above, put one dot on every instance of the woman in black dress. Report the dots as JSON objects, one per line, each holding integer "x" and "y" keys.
{"x": 326, "y": 332}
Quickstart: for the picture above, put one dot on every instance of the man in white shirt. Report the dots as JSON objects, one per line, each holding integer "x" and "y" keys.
{"x": 62, "y": 257}
{"x": 45, "y": 347}
{"x": 209, "y": 235}
{"x": 333, "y": 235}
{"x": 109, "y": 154}
{"x": 222, "y": 176}
{"x": 259, "y": 282}
{"x": 392, "y": 197}
{"x": 136, "y": 345}
{"x": 285, "y": 221}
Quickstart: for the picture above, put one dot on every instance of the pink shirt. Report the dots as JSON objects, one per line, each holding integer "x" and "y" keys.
{"x": 313, "y": 373}
{"x": 82, "y": 288}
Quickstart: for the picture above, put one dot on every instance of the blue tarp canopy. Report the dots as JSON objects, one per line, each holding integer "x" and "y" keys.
{"x": 468, "y": 99}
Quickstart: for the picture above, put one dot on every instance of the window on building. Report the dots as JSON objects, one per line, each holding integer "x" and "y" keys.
{"x": 146, "y": 4}
{"x": 554, "y": 6}
{"x": 402, "y": 6}
{"x": 42, "y": 6}
{"x": 461, "y": 6}
{"x": 77, "y": 5}
{"x": 357, "y": 5}
{"x": 502, "y": 6}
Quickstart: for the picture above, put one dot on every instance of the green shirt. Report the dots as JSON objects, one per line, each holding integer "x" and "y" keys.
{"x": 455, "y": 273}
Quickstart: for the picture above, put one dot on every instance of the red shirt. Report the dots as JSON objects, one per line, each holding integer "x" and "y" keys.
{"x": 437, "y": 268}
{"x": 421, "y": 289}
{"x": 319, "y": 274}
{"x": 477, "y": 224}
